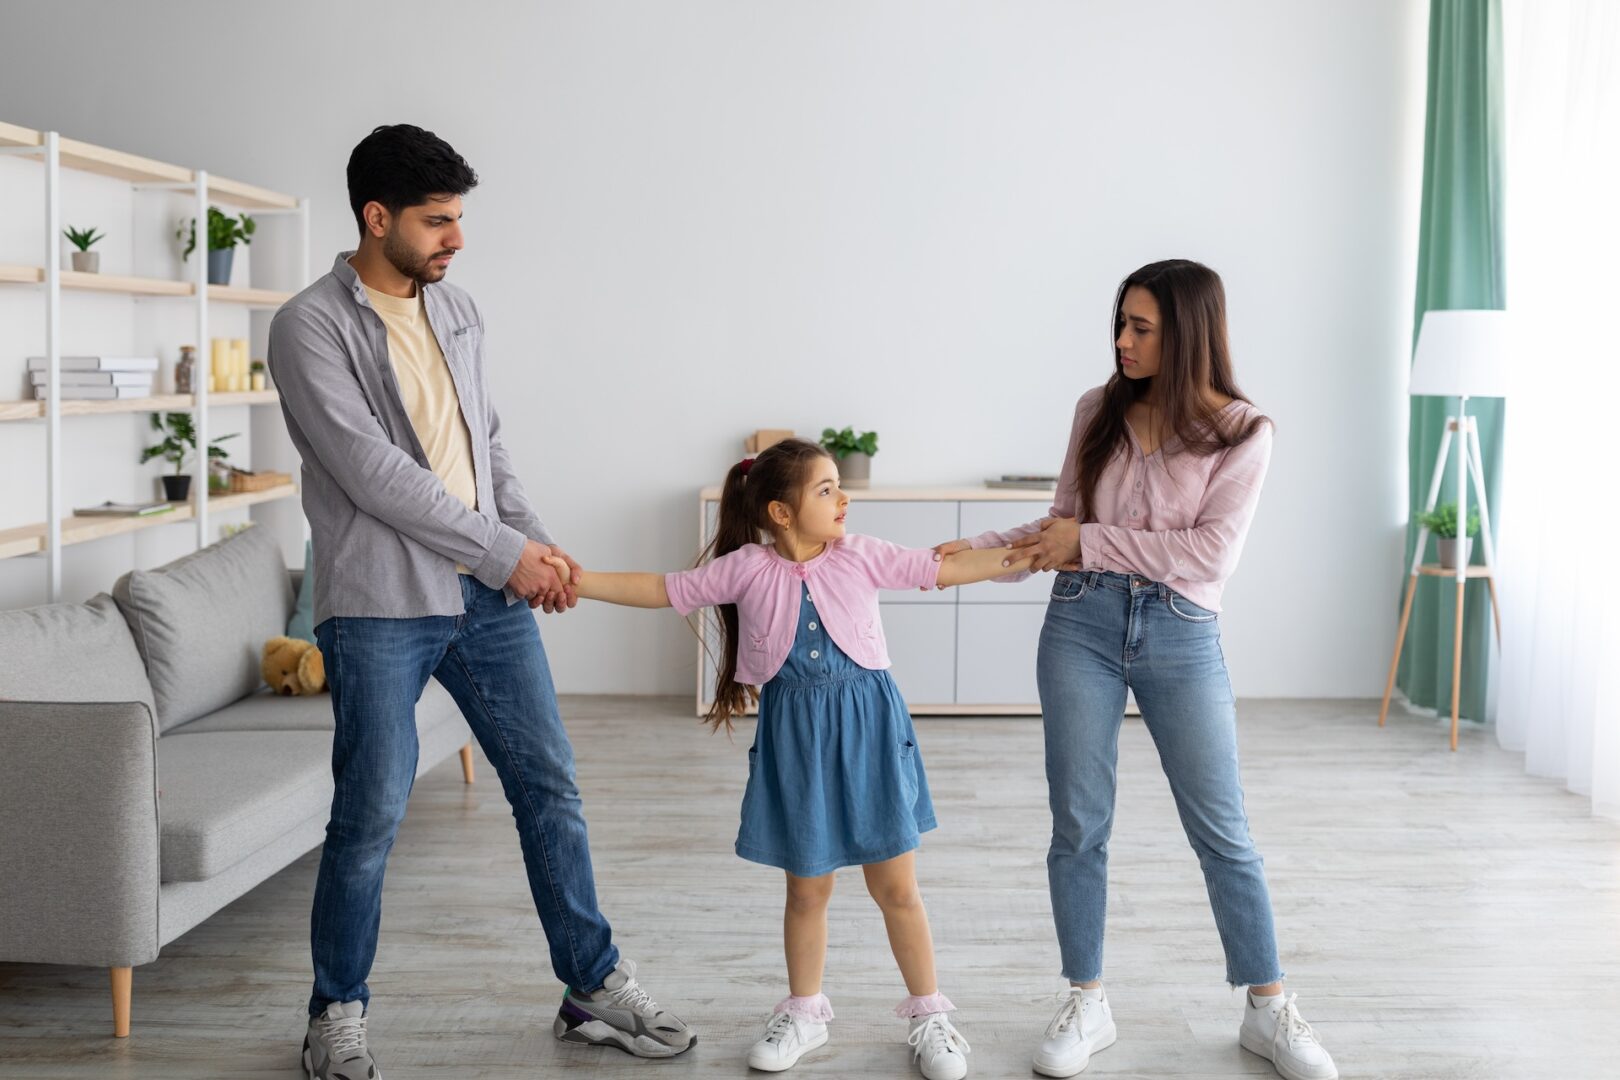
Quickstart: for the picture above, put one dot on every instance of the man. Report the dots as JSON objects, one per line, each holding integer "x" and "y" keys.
{"x": 424, "y": 545}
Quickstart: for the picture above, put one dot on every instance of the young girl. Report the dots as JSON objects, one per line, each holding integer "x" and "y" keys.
{"x": 835, "y": 777}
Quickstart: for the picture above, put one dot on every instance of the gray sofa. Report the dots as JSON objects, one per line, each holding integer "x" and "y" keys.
{"x": 148, "y": 777}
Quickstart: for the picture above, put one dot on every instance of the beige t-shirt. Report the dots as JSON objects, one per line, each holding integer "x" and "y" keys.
{"x": 429, "y": 394}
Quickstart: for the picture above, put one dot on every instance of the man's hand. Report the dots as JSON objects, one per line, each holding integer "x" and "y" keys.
{"x": 568, "y": 573}
{"x": 1055, "y": 547}
{"x": 537, "y": 582}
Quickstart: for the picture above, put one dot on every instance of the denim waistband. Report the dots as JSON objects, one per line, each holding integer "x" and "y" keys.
{"x": 784, "y": 683}
{"x": 1133, "y": 584}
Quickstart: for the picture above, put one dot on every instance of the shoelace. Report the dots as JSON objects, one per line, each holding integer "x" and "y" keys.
{"x": 1068, "y": 1014}
{"x": 936, "y": 1035}
{"x": 635, "y": 998}
{"x": 345, "y": 1037}
{"x": 1291, "y": 1027}
{"x": 781, "y": 1025}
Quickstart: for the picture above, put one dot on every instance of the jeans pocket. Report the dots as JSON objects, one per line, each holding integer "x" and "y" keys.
{"x": 908, "y": 749}
{"x": 1068, "y": 587}
{"x": 1187, "y": 611}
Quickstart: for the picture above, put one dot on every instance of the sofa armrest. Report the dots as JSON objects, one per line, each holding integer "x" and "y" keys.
{"x": 78, "y": 833}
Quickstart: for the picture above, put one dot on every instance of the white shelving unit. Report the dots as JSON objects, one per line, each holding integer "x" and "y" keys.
{"x": 56, "y": 153}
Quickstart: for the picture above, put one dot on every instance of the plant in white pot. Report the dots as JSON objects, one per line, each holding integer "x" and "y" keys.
{"x": 224, "y": 233}
{"x": 1455, "y": 551}
{"x": 85, "y": 260}
{"x": 854, "y": 453}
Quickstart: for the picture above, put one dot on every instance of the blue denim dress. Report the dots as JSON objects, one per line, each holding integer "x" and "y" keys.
{"x": 834, "y": 776}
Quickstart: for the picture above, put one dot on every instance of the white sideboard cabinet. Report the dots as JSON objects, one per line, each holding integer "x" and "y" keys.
{"x": 969, "y": 650}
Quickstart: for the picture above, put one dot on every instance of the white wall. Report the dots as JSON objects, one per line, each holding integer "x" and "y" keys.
{"x": 701, "y": 218}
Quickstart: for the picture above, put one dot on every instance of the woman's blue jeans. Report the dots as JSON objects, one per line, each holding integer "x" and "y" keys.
{"x": 1105, "y": 633}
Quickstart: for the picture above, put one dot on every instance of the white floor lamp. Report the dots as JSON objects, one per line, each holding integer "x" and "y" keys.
{"x": 1460, "y": 354}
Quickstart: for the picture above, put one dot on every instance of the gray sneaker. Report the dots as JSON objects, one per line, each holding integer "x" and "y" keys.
{"x": 335, "y": 1045}
{"x": 624, "y": 1015}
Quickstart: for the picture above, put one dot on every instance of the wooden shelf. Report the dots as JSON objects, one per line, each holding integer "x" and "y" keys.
{"x": 265, "y": 298}
{"x": 30, "y": 539}
{"x": 143, "y": 286}
{"x": 1436, "y": 570}
{"x": 85, "y": 157}
{"x": 35, "y": 410}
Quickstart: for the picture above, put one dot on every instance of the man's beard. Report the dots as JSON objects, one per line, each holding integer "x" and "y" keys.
{"x": 418, "y": 268}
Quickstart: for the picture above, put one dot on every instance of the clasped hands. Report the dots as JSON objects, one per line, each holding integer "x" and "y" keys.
{"x": 1055, "y": 547}
{"x": 539, "y": 580}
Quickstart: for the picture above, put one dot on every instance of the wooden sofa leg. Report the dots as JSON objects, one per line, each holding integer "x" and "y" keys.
{"x": 467, "y": 763}
{"x": 122, "y": 979}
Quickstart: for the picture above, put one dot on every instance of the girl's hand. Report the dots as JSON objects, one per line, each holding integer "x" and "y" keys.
{"x": 949, "y": 547}
{"x": 1055, "y": 547}
{"x": 568, "y": 572}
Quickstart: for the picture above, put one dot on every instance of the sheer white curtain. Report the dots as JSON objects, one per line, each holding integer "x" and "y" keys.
{"x": 1559, "y": 695}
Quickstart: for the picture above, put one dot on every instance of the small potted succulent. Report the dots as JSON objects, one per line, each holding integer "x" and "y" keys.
{"x": 179, "y": 442}
{"x": 224, "y": 233}
{"x": 1455, "y": 551}
{"x": 84, "y": 260}
{"x": 854, "y": 453}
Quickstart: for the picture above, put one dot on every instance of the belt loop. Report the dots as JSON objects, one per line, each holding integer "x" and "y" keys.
{"x": 1164, "y": 591}
{"x": 1092, "y": 577}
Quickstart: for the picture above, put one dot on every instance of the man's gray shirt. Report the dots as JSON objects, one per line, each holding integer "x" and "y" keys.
{"x": 387, "y": 535}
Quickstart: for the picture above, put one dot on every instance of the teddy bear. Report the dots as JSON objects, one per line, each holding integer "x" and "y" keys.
{"x": 293, "y": 667}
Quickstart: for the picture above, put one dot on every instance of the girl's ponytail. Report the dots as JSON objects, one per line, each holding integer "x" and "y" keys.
{"x": 734, "y": 530}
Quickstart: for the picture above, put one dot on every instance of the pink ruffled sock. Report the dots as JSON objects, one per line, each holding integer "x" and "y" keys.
{"x": 815, "y": 1008}
{"x": 915, "y": 1006}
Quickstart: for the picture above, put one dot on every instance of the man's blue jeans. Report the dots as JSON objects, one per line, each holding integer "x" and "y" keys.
{"x": 1106, "y": 632}
{"x": 492, "y": 662}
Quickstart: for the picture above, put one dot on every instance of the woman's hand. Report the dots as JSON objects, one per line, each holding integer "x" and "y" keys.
{"x": 1055, "y": 547}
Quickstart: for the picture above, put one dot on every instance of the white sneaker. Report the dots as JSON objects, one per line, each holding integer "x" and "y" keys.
{"x": 787, "y": 1039}
{"x": 1083, "y": 1025}
{"x": 1279, "y": 1034}
{"x": 939, "y": 1049}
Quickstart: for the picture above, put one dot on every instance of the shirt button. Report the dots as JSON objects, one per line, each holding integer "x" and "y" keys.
{"x": 814, "y": 655}
{"x": 812, "y": 626}
{"x": 1139, "y": 485}
{"x": 1133, "y": 513}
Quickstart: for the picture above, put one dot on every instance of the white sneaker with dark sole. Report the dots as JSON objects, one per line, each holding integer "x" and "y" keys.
{"x": 1083, "y": 1026}
{"x": 1279, "y": 1034}
{"x": 787, "y": 1038}
{"x": 624, "y": 1016}
{"x": 335, "y": 1045}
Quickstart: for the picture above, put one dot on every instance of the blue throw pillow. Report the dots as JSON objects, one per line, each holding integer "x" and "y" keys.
{"x": 302, "y": 623}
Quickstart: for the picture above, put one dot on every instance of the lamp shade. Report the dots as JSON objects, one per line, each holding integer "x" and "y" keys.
{"x": 1462, "y": 354}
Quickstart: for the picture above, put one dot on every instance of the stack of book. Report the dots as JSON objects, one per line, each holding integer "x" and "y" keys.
{"x": 97, "y": 377}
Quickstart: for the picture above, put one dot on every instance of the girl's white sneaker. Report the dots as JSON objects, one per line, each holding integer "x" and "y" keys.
{"x": 1084, "y": 1024}
{"x": 938, "y": 1048}
{"x": 1277, "y": 1032}
{"x": 787, "y": 1038}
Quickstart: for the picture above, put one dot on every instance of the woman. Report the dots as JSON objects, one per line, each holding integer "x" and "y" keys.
{"x": 1159, "y": 484}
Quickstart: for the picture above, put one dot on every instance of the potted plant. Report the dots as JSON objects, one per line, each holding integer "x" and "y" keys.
{"x": 257, "y": 375}
{"x": 1442, "y": 521}
{"x": 224, "y": 233}
{"x": 854, "y": 453}
{"x": 179, "y": 442}
{"x": 85, "y": 260}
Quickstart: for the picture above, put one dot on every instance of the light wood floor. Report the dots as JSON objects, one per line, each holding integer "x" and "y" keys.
{"x": 1441, "y": 915}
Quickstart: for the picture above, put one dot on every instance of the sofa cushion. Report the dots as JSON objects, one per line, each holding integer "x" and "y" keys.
{"x": 71, "y": 652}
{"x": 302, "y": 623}
{"x": 223, "y": 795}
{"x": 201, "y": 622}
{"x": 265, "y": 711}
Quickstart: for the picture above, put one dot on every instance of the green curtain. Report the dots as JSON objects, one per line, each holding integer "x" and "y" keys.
{"x": 1459, "y": 266}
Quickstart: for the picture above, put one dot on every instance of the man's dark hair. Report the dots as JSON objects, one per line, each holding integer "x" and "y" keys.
{"x": 400, "y": 165}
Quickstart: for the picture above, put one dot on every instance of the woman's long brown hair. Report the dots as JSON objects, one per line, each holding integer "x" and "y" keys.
{"x": 1194, "y": 357}
{"x": 778, "y": 474}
